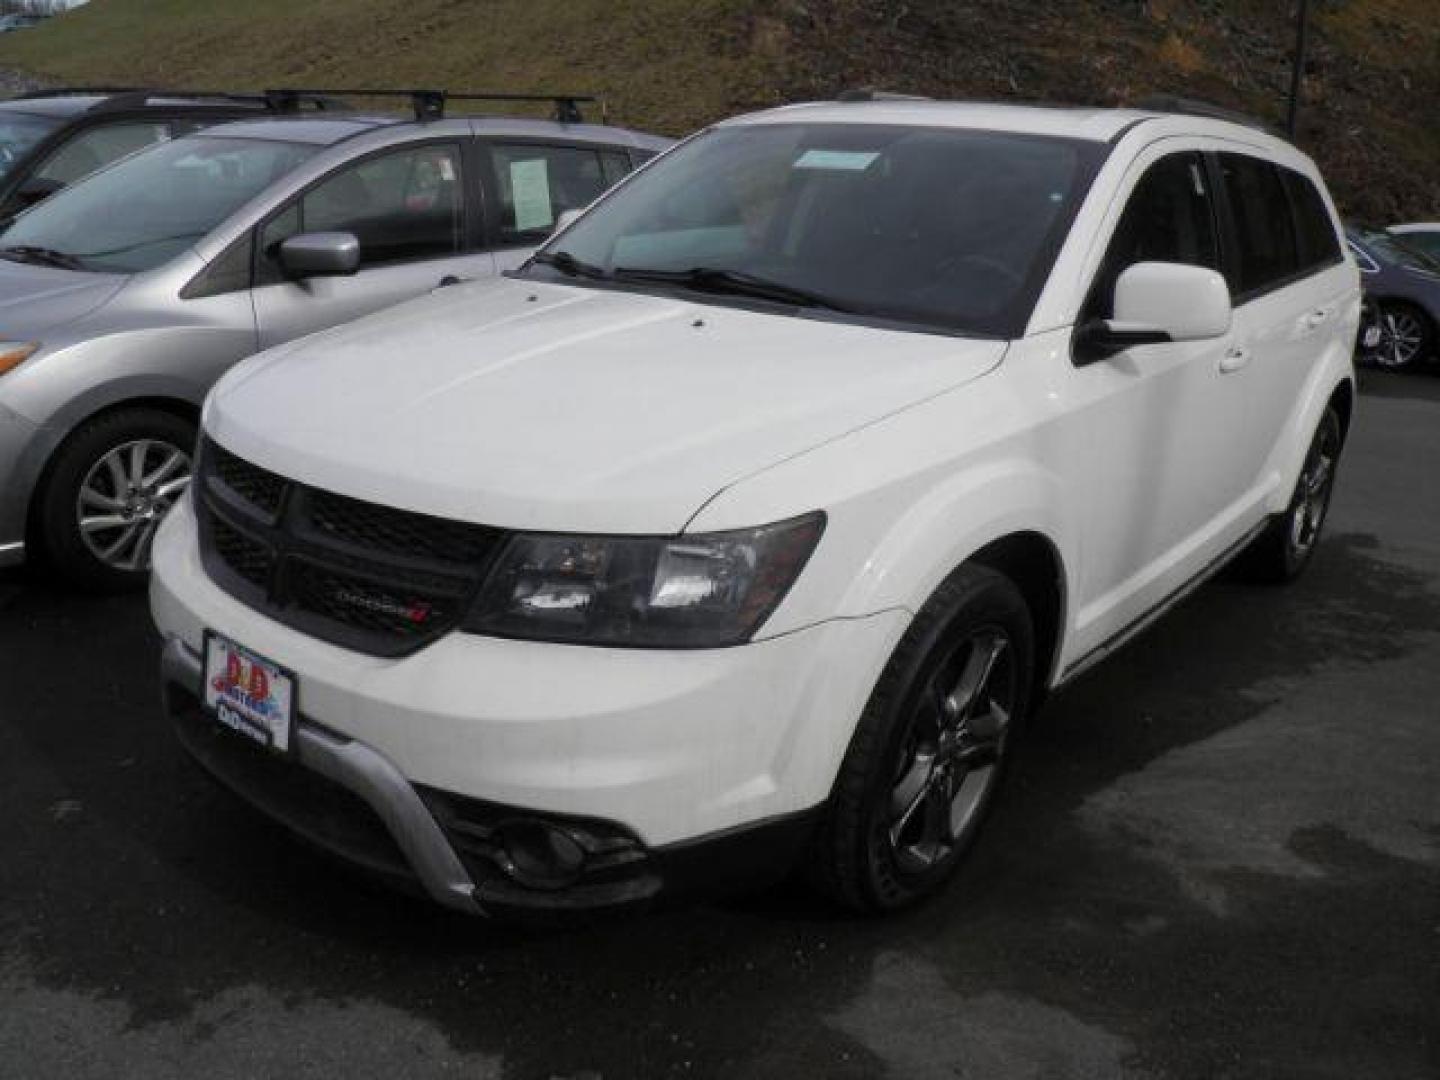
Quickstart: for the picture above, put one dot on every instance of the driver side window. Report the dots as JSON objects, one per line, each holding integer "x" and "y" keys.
{"x": 1170, "y": 218}
{"x": 401, "y": 206}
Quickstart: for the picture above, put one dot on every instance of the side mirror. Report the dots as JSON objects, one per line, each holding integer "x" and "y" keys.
{"x": 36, "y": 189}
{"x": 1156, "y": 303}
{"x": 565, "y": 220}
{"x": 320, "y": 254}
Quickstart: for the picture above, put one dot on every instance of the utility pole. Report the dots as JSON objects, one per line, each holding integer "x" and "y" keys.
{"x": 1298, "y": 74}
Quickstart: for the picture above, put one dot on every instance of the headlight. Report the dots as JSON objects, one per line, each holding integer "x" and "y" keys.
{"x": 679, "y": 592}
{"x": 13, "y": 353}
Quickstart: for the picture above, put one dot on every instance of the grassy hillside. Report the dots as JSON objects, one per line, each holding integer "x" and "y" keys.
{"x": 1372, "y": 84}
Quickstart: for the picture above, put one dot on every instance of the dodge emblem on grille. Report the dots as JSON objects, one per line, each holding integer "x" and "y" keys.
{"x": 415, "y": 611}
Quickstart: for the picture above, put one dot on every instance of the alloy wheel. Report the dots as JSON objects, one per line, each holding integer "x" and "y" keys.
{"x": 123, "y": 498}
{"x": 1401, "y": 337}
{"x": 948, "y": 763}
{"x": 1313, "y": 491}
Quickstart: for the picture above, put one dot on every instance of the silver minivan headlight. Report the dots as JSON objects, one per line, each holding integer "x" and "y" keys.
{"x": 15, "y": 353}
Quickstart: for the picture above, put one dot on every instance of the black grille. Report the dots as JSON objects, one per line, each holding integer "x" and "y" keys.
{"x": 396, "y": 531}
{"x": 254, "y": 485}
{"x": 249, "y": 558}
{"x": 369, "y": 577}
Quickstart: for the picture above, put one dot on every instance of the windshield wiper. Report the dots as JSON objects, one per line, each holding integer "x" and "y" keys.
{"x": 568, "y": 264}
{"x": 41, "y": 256}
{"x": 731, "y": 282}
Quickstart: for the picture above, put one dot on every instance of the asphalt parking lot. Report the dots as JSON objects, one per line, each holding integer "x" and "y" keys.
{"x": 1219, "y": 857}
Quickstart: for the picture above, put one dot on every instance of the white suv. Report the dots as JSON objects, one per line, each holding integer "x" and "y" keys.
{"x": 749, "y": 520}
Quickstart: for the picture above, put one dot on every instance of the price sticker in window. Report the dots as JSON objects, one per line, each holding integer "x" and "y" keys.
{"x": 530, "y": 194}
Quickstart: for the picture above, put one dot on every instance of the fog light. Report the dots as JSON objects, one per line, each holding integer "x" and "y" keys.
{"x": 539, "y": 855}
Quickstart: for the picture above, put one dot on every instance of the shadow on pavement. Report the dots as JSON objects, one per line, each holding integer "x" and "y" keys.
{"x": 131, "y": 879}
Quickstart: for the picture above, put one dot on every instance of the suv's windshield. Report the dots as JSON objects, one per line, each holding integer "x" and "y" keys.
{"x": 18, "y": 133}
{"x": 143, "y": 211}
{"x": 936, "y": 228}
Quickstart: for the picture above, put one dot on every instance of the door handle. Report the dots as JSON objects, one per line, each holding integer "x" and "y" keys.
{"x": 1315, "y": 318}
{"x": 1234, "y": 360}
{"x": 448, "y": 280}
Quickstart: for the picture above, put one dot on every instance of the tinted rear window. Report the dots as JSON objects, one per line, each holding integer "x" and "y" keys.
{"x": 1265, "y": 232}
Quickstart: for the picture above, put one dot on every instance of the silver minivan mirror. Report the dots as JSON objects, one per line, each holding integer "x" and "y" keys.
{"x": 320, "y": 254}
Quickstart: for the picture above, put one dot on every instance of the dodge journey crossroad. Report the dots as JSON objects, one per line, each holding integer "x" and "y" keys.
{"x": 743, "y": 526}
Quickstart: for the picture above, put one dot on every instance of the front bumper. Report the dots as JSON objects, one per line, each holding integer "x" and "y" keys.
{"x": 351, "y": 766}
{"x": 349, "y": 800}
{"x": 16, "y": 436}
{"x": 674, "y": 771}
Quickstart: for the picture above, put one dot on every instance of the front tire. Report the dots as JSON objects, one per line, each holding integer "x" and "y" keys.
{"x": 105, "y": 493}
{"x": 931, "y": 746}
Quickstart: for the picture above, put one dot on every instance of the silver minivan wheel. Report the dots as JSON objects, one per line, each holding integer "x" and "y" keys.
{"x": 123, "y": 498}
{"x": 105, "y": 491}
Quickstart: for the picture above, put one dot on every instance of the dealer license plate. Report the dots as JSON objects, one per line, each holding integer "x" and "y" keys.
{"x": 248, "y": 694}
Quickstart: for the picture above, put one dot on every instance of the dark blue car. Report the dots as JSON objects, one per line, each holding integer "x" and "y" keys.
{"x": 1402, "y": 289}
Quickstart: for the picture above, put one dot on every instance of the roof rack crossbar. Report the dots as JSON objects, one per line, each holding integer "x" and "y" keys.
{"x": 429, "y": 105}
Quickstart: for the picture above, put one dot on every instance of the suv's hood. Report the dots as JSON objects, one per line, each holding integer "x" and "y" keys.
{"x": 35, "y": 298}
{"x": 555, "y": 407}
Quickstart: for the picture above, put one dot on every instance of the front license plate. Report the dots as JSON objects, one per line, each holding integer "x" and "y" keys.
{"x": 1372, "y": 337}
{"x": 248, "y": 694}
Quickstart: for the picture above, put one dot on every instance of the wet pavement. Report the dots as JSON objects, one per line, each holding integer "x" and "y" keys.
{"x": 1218, "y": 857}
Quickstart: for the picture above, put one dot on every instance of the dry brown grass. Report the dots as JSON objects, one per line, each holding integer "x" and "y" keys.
{"x": 666, "y": 64}
{"x": 1372, "y": 85}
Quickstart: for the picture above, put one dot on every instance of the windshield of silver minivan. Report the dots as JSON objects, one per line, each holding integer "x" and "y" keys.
{"x": 143, "y": 211}
{"x": 932, "y": 228}
{"x": 18, "y": 133}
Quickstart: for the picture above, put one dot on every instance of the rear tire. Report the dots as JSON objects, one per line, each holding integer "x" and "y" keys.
{"x": 1281, "y": 553}
{"x": 931, "y": 746}
{"x": 105, "y": 492}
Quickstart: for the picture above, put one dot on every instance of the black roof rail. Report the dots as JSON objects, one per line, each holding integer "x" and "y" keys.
{"x": 429, "y": 105}
{"x": 126, "y": 97}
{"x": 869, "y": 93}
{"x": 1183, "y": 106}
{"x": 74, "y": 91}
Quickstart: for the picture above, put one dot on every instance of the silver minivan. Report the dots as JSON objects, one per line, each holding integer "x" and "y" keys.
{"x": 123, "y": 298}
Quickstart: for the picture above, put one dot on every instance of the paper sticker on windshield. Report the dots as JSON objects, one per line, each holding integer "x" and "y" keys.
{"x": 530, "y": 192}
{"x": 848, "y": 160}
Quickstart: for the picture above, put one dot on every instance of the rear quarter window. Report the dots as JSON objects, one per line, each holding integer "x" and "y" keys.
{"x": 1318, "y": 241}
{"x": 534, "y": 183}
